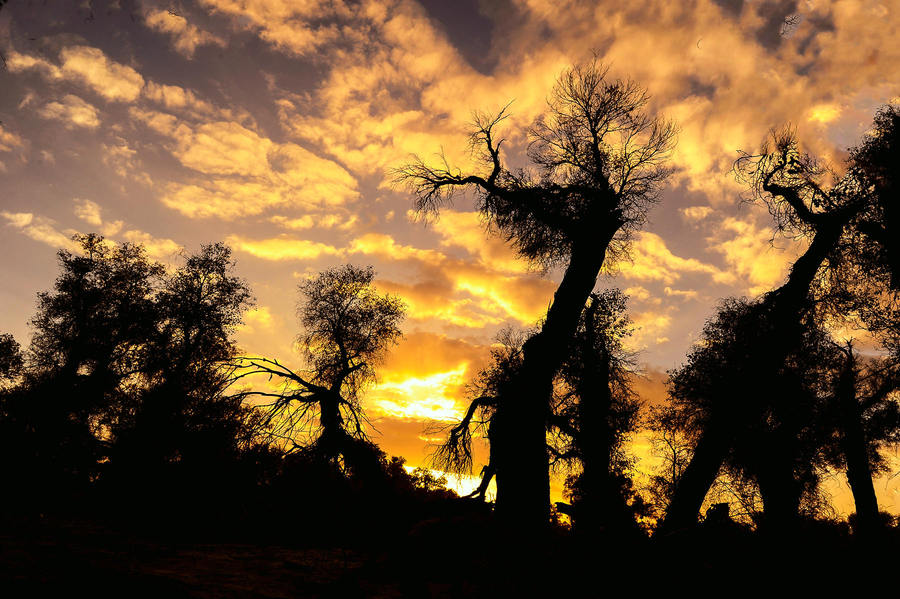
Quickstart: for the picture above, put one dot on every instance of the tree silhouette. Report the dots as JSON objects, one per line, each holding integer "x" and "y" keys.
{"x": 184, "y": 411}
{"x": 860, "y": 419}
{"x": 779, "y": 449}
{"x": 347, "y": 329}
{"x": 491, "y": 394}
{"x": 11, "y": 359}
{"x": 594, "y": 413}
{"x": 794, "y": 188}
{"x": 875, "y": 164}
{"x": 597, "y": 167}
{"x": 591, "y": 416}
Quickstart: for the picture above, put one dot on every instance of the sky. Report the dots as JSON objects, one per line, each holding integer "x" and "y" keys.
{"x": 274, "y": 125}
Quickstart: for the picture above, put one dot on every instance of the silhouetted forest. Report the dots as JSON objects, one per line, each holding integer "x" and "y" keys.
{"x": 132, "y": 422}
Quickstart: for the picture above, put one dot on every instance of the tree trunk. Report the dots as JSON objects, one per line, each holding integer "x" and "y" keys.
{"x": 853, "y": 444}
{"x": 331, "y": 441}
{"x": 593, "y": 434}
{"x": 694, "y": 483}
{"x": 523, "y": 479}
{"x": 779, "y": 487}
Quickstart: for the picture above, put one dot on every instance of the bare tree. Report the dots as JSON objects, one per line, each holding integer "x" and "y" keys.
{"x": 347, "y": 330}
{"x": 597, "y": 166}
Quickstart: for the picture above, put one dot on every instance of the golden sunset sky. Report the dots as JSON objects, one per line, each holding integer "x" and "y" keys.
{"x": 273, "y": 125}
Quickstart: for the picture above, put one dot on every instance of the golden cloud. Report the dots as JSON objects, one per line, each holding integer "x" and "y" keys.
{"x": 282, "y": 248}
{"x": 186, "y": 37}
{"x": 750, "y": 252}
{"x": 110, "y": 79}
{"x": 9, "y": 140}
{"x": 246, "y": 174}
{"x": 296, "y": 28}
{"x": 39, "y": 228}
{"x": 650, "y": 260}
{"x": 72, "y": 111}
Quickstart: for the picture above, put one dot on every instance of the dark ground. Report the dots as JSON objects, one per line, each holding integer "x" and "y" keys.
{"x": 44, "y": 556}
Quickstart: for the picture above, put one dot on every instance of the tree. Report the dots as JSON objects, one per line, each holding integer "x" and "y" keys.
{"x": 491, "y": 394}
{"x": 875, "y": 164}
{"x": 347, "y": 329}
{"x": 859, "y": 420}
{"x": 594, "y": 414}
{"x": 778, "y": 449}
{"x": 597, "y": 166}
{"x": 89, "y": 345}
{"x": 11, "y": 359}
{"x": 184, "y": 411}
{"x": 794, "y": 187}
{"x": 847, "y": 224}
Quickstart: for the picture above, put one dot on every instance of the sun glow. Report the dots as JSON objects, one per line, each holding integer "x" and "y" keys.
{"x": 431, "y": 397}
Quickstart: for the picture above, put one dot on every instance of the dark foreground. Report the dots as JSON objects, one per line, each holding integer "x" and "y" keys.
{"x": 73, "y": 557}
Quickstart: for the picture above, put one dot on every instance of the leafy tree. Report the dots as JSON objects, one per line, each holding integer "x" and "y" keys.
{"x": 11, "y": 359}
{"x": 778, "y": 449}
{"x": 347, "y": 330}
{"x": 594, "y": 414}
{"x": 597, "y": 166}
{"x": 184, "y": 411}
{"x": 875, "y": 164}
{"x": 88, "y": 348}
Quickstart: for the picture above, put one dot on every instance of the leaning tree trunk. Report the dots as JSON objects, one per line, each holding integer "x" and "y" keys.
{"x": 523, "y": 479}
{"x": 853, "y": 445}
{"x": 778, "y": 334}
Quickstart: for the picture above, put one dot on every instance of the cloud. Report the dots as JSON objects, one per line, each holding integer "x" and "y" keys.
{"x": 258, "y": 319}
{"x": 110, "y": 79}
{"x": 188, "y": 103}
{"x": 85, "y": 65}
{"x": 296, "y": 28}
{"x": 186, "y": 37}
{"x": 88, "y": 211}
{"x": 695, "y": 213}
{"x": 342, "y": 221}
{"x": 39, "y": 228}
{"x": 651, "y": 260}
{"x": 223, "y": 148}
{"x": 467, "y": 230}
{"x": 243, "y": 172}
{"x": 750, "y": 252}
{"x": 451, "y": 290}
{"x": 122, "y": 159}
{"x": 72, "y": 111}
{"x": 282, "y": 248}
{"x": 159, "y": 248}
{"x": 10, "y": 140}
